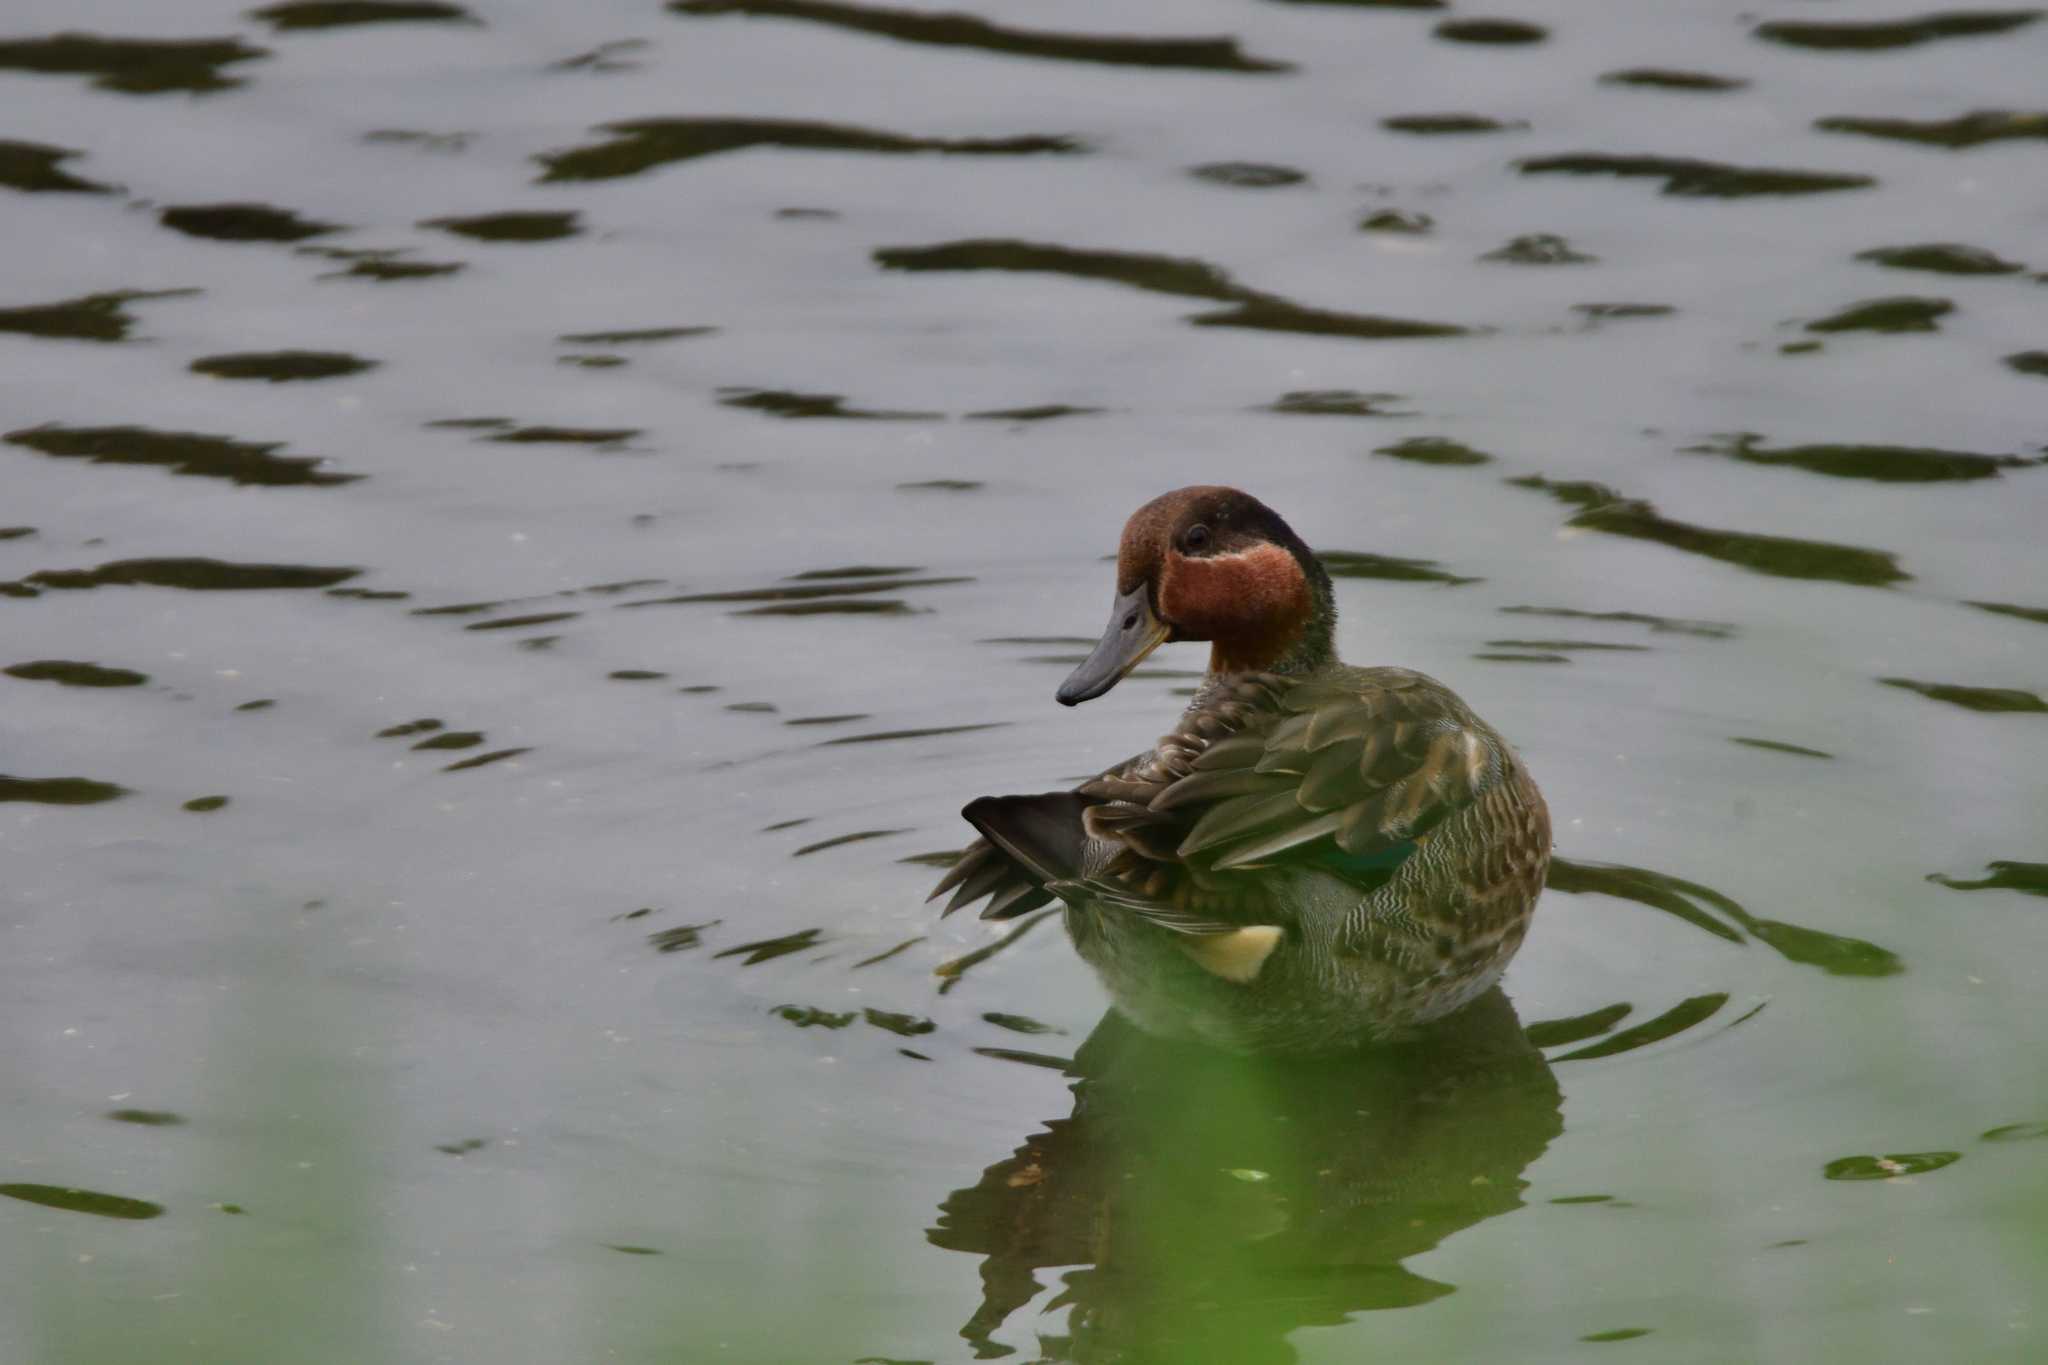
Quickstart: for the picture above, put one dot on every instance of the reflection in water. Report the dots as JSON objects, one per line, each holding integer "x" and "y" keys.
{"x": 1884, "y": 464}
{"x": 133, "y": 66}
{"x": 95, "y": 317}
{"x": 1964, "y": 130}
{"x": 35, "y": 168}
{"x": 192, "y": 452}
{"x": 966, "y": 30}
{"x": 243, "y": 223}
{"x": 1688, "y": 177}
{"x": 642, "y": 144}
{"x": 1839, "y": 35}
{"x": 1943, "y": 258}
{"x": 316, "y": 14}
{"x": 1213, "y": 1204}
{"x": 1895, "y": 313}
{"x": 1603, "y": 509}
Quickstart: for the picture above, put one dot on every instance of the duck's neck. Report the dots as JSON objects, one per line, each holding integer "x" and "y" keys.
{"x": 1292, "y": 647}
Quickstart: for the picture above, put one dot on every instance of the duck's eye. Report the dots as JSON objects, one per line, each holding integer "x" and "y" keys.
{"x": 1197, "y": 538}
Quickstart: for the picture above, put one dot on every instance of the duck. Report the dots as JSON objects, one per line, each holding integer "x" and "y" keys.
{"x": 1316, "y": 857}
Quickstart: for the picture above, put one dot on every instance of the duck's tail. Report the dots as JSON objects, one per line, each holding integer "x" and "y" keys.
{"x": 1027, "y": 842}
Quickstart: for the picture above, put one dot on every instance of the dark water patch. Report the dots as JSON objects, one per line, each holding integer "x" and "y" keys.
{"x": 1335, "y": 403}
{"x": 699, "y": 689}
{"x": 1576, "y": 1029}
{"x": 1854, "y": 35}
{"x": 1043, "y": 412}
{"x": 1567, "y": 645}
{"x": 192, "y": 574}
{"x": 800, "y": 406}
{"x": 281, "y": 367}
{"x": 1177, "y": 275}
{"x": 1973, "y": 129}
{"x": 426, "y": 725}
{"x": 1398, "y": 221}
{"x": 36, "y": 168}
{"x": 798, "y": 213}
{"x": 940, "y": 29}
{"x": 640, "y": 145}
{"x": 902, "y": 1025}
{"x": 754, "y": 708}
{"x": 459, "y": 608}
{"x": 856, "y": 571}
{"x": 803, "y": 592}
{"x": 1707, "y": 909}
{"x": 242, "y": 223}
{"x": 768, "y": 949}
{"x": 1946, "y": 258}
{"x": 469, "y": 424}
{"x": 319, "y": 14}
{"x": 605, "y": 59}
{"x": 1247, "y": 175}
{"x": 1019, "y": 1023}
{"x": 1883, "y": 464}
{"x": 682, "y": 938}
{"x": 1431, "y": 124}
{"x": 1995, "y": 699}
{"x": 462, "y": 1146}
{"x": 863, "y": 606}
{"x": 59, "y": 791}
{"x": 513, "y": 225}
{"x": 1392, "y": 568}
{"x": 16, "y": 532}
{"x": 2028, "y": 362}
{"x": 71, "y": 673}
{"x": 201, "y": 805}
{"x": 1680, "y": 1017}
{"x": 633, "y": 336}
{"x": 1039, "y": 1059}
{"x": 1605, "y": 312}
{"x": 846, "y": 718}
{"x": 780, "y": 825}
{"x": 861, "y": 836}
{"x": 1617, "y": 1334}
{"x": 1603, "y": 509}
{"x": 1800, "y": 348}
{"x": 497, "y": 756}
{"x": 147, "y": 1118}
{"x": 260, "y": 704}
{"x": 1896, "y": 313}
{"x": 2001, "y": 875}
{"x": 420, "y": 139}
{"x": 1278, "y": 315}
{"x": 1497, "y": 32}
{"x": 94, "y": 317}
{"x": 546, "y": 435}
{"x": 1888, "y": 1167}
{"x": 941, "y": 486}
{"x": 1779, "y": 746}
{"x": 1688, "y": 177}
{"x": 810, "y": 1016}
{"x": 1586, "y": 1199}
{"x": 132, "y": 66}
{"x": 1539, "y": 248}
{"x": 539, "y": 618}
{"x": 453, "y": 739}
{"x": 1440, "y": 450}
{"x": 1522, "y": 658}
{"x": 1668, "y": 78}
{"x": 888, "y": 953}
{"x": 887, "y": 736}
{"x": 2015, "y": 1132}
{"x": 384, "y": 270}
{"x": 592, "y": 362}
{"x": 182, "y": 452}
{"x": 2038, "y": 615}
{"x": 635, "y": 675}
{"x": 74, "y": 1200}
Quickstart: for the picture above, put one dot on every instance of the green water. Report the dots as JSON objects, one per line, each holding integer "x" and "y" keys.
{"x": 522, "y": 524}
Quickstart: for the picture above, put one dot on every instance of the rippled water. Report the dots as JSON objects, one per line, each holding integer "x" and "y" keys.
{"x": 524, "y": 523}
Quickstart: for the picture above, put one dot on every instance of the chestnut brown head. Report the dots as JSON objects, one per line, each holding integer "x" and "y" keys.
{"x": 1211, "y": 563}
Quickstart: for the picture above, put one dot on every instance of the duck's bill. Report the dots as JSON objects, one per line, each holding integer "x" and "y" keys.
{"x": 1134, "y": 631}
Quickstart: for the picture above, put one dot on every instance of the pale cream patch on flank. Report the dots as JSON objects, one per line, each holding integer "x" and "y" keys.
{"x": 1236, "y": 956}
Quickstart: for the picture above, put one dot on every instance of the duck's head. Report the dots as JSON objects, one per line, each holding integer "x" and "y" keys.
{"x": 1211, "y": 563}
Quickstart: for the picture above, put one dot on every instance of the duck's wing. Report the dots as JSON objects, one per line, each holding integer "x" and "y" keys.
{"x": 1348, "y": 773}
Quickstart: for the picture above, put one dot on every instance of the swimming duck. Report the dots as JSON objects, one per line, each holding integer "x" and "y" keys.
{"x": 1317, "y": 856}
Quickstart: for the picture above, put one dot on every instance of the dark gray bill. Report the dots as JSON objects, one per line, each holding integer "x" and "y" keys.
{"x": 1133, "y": 633}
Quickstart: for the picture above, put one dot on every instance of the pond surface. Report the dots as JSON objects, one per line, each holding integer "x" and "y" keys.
{"x": 523, "y": 524}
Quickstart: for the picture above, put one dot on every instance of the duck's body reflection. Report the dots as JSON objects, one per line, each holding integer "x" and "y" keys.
{"x": 1211, "y": 1205}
